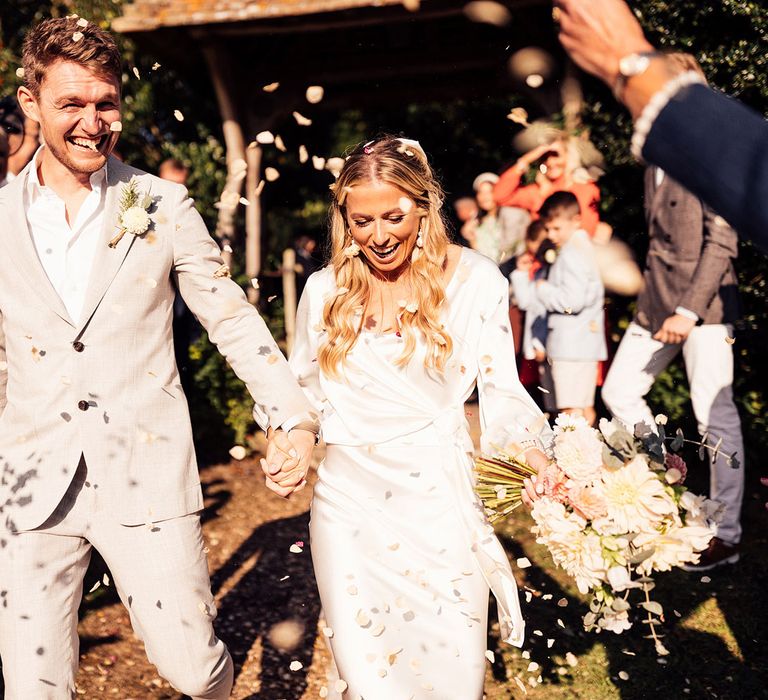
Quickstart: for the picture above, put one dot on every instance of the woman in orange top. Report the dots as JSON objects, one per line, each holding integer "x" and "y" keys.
{"x": 552, "y": 177}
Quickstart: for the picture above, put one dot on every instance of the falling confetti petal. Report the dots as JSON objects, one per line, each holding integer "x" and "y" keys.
{"x": 95, "y": 586}
{"x": 255, "y": 283}
{"x": 523, "y": 563}
{"x": 340, "y": 686}
{"x": 155, "y": 65}
{"x": 328, "y": 632}
{"x": 323, "y": 692}
{"x": 730, "y": 340}
{"x": 116, "y": 126}
{"x": 82, "y": 22}
{"x": 624, "y": 675}
{"x": 271, "y": 87}
{"x": 259, "y": 188}
{"x": 179, "y": 116}
{"x": 314, "y": 94}
{"x": 378, "y": 630}
{"x": 296, "y": 666}
{"x": 265, "y": 137}
{"x": 318, "y": 162}
{"x": 105, "y": 579}
{"x": 490, "y": 656}
{"x": 271, "y": 174}
{"x": 571, "y": 659}
{"x": 77, "y": 36}
{"x": 550, "y": 642}
{"x": 136, "y": 73}
{"x": 412, "y": 5}
{"x": 301, "y": 120}
{"x": 295, "y": 548}
{"x": 279, "y": 143}
{"x": 20, "y": 73}
{"x": 303, "y": 154}
{"x": 706, "y": 579}
{"x": 352, "y": 590}
{"x": 533, "y": 666}
{"x": 237, "y": 452}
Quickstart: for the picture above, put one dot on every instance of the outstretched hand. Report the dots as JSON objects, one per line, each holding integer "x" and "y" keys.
{"x": 597, "y": 33}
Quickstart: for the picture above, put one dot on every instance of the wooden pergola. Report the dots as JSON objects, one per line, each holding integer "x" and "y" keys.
{"x": 361, "y": 52}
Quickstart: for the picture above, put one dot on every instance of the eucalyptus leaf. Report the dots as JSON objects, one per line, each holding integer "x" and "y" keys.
{"x": 652, "y": 607}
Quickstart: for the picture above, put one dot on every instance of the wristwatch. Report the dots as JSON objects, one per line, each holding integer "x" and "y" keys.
{"x": 631, "y": 65}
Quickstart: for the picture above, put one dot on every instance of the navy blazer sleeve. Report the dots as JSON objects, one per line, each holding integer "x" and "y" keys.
{"x": 718, "y": 149}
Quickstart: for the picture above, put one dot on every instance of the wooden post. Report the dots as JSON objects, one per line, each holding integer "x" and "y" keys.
{"x": 234, "y": 141}
{"x": 289, "y": 296}
{"x": 253, "y": 219}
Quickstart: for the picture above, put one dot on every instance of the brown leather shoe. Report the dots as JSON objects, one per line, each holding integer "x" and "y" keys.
{"x": 718, "y": 553}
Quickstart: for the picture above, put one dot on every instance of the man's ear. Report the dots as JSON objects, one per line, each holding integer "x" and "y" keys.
{"x": 28, "y": 103}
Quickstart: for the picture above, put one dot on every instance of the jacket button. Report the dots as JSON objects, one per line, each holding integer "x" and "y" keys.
{"x": 82, "y": 405}
{"x": 78, "y": 346}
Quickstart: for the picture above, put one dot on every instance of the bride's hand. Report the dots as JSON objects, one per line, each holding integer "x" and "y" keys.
{"x": 532, "y": 490}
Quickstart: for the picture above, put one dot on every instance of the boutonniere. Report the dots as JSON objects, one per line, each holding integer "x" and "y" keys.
{"x": 133, "y": 216}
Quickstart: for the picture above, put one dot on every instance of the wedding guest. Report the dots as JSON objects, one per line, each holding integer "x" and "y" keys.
{"x": 466, "y": 212}
{"x": 391, "y": 338}
{"x": 95, "y": 435}
{"x": 572, "y": 294}
{"x": 689, "y": 304}
{"x": 711, "y": 144}
{"x": 23, "y": 135}
{"x": 174, "y": 170}
{"x": 498, "y": 232}
{"x": 552, "y": 176}
{"x": 307, "y": 262}
{"x": 534, "y": 370}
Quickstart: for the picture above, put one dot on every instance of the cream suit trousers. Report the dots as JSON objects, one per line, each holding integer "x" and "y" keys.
{"x": 709, "y": 366}
{"x": 161, "y": 574}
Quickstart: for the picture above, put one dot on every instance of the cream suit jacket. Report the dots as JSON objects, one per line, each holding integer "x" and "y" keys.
{"x": 107, "y": 386}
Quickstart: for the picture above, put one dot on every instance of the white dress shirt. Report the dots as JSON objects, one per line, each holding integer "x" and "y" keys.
{"x": 66, "y": 250}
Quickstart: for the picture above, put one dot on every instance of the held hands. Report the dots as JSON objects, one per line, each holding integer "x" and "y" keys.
{"x": 287, "y": 461}
{"x": 675, "y": 329}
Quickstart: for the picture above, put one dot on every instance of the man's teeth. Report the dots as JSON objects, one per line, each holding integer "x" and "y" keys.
{"x": 87, "y": 143}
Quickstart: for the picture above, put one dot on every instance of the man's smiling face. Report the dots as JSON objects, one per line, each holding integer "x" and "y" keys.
{"x": 75, "y": 108}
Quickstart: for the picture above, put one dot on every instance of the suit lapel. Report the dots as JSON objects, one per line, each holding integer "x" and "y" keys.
{"x": 107, "y": 261}
{"x": 22, "y": 251}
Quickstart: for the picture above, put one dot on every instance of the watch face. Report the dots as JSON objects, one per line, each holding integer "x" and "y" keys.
{"x": 633, "y": 64}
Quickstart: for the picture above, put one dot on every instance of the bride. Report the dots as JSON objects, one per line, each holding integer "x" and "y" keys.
{"x": 392, "y": 337}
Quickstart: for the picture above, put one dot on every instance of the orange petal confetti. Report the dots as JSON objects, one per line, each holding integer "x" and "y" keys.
{"x": 412, "y": 5}
{"x": 271, "y": 87}
{"x": 314, "y": 94}
{"x": 272, "y": 359}
{"x": 301, "y": 120}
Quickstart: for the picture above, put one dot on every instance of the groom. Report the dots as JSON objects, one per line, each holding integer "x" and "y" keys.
{"x": 95, "y": 440}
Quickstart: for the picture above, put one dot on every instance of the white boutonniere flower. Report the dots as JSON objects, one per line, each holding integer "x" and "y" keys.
{"x": 133, "y": 216}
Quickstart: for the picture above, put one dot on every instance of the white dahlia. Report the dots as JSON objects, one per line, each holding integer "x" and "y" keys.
{"x": 635, "y": 498}
{"x": 135, "y": 220}
{"x": 579, "y": 453}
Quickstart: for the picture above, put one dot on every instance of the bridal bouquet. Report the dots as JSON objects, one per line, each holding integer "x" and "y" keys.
{"x": 613, "y": 511}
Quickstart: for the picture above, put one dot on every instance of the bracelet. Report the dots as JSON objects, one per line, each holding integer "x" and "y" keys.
{"x": 310, "y": 427}
{"x": 655, "y": 105}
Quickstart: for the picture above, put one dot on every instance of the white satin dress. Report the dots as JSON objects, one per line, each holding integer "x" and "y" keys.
{"x": 403, "y": 554}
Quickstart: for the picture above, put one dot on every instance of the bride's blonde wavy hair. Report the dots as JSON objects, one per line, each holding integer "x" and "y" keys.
{"x": 402, "y": 164}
